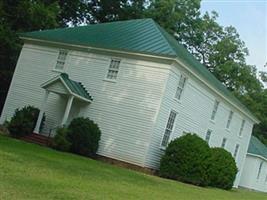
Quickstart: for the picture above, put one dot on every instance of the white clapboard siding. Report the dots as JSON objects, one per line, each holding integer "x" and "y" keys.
{"x": 132, "y": 111}
{"x": 125, "y": 110}
{"x": 249, "y": 178}
{"x": 193, "y": 115}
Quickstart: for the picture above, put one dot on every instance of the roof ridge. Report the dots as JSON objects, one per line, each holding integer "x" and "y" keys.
{"x": 158, "y": 27}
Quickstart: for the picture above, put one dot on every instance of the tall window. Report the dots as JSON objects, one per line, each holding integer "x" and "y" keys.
{"x": 61, "y": 59}
{"x": 223, "y": 142}
{"x": 242, "y": 127}
{"x": 113, "y": 69}
{"x": 168, "y": 129}
{"x": 180, "y": 87}
{"x": 236, "y": 150}
{"x": 208, "y": 134}
{"x": 229, "y": 119}
{"x": 259, "y": 171}
{"x": 215, "y": 108}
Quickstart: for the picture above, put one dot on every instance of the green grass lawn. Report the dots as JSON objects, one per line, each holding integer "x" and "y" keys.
{"x": 28, "y": 171}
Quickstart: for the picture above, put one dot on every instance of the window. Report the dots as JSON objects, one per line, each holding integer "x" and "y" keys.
{"x": 236, "y": 150}
{"x": 168, "y": 129}
{"x": 113, "y": 69}
{"x": 208, "y": 134}
{"x": 229, "y": 119}
{"x": 215, "y": 108}
{"x": 180, "y": 87}
{"x": 61, "y": 59}
{"x": 223, "y": 142}
{"x": 266, "y": 178}
{"x": 242, "y": 127}
{"x": 259, "y": 171}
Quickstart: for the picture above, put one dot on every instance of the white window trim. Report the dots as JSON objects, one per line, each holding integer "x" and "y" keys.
{"x": 236, "y": 151}
{"x": 240, "y": 134}
{"x": 210, "y": 133}
{"x": 173, "y": 128}
{"x": 214, "y": 111}
{"x": 182, "y": 88}
{"x": 224, "y": 141}
{"x": 229, "y": 120}
{"x": 59, "y": 60}
{"x": 260, "y": 170}
{"x": 114, "y": 80}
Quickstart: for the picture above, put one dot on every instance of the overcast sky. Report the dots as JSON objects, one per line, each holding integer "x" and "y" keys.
{"x": 249, "y": 17}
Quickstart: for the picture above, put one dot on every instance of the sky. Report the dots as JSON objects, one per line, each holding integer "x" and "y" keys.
{"x": 249, "y": 17}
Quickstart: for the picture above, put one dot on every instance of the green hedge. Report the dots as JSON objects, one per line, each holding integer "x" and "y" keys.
{"x": 23, "y": 121}
{"x": 60, "y": 141}
{"x": 222, "y": 169}
{"x": 189, "y": 159}
{"x": 186, "y": 159}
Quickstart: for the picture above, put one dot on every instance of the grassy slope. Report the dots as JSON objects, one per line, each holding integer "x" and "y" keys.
{"x": 28, "y": 171}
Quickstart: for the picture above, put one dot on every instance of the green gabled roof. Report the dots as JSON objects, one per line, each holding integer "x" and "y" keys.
{"x": 257, "y": 148}
{"x": 133, "y": 35}
{"x": 139, "y": 36}
{"x": 76, "y": 87}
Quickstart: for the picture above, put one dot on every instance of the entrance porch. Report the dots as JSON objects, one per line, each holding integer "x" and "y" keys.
{"x": 68, "y": 89}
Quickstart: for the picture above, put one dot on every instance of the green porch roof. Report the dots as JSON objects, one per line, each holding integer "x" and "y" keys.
{"x": 138, "y": 36}
{"x": 76, "y": 87}
{"x": 257, "y": 148}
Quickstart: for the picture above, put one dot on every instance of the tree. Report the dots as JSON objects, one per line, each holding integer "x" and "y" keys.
{"x": 114, "y": 10}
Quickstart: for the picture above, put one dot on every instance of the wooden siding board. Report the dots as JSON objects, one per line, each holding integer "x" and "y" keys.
{"x": 125, "y": 110}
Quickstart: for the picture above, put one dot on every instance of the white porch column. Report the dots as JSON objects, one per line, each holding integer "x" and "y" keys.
{"x": 67, "y": 110}
{"x": 41, "y": 113}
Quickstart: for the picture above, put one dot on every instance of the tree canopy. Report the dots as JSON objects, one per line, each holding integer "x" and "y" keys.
{"x": 219, "y": 48}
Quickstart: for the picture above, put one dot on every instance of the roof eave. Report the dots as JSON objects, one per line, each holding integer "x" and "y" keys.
{"x": 258, "y": 156}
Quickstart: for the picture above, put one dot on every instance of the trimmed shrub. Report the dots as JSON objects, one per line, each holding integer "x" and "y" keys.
{"x": 222, "y": 169}
{"x": 84, "y": 136}
{"x": 4, "y": 131}
{"x": 23, "y": 121}
{"x": 60, "y": 141}
{"x": 186, "y": 159}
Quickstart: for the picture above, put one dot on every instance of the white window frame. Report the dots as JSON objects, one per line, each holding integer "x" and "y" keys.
{"x": 208, "y": 135}
{"x": 224, "y": 140}
{"x": 168, "y": 129}
{"x": 61, "y": 60}
{"x": 236, "y": 151}
{"x": 214, "y": 110}
{"x": 230, "y": 117}
{"x": 113, "y": 69}
{"x": 259, "y": 170}
{"x": 180, "y": 87}
{"x": 242, "y": 127}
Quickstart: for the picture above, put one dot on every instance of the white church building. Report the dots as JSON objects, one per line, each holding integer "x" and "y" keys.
{"x": 136, "y": 82}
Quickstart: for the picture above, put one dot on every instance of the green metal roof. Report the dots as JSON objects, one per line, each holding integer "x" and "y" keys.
{"x": 257, "y": 148}
{"x": 139, "y": 36}
{"x": 76, "y": 87}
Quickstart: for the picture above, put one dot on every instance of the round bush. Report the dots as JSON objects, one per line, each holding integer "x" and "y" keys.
{"x": 60, "y": 141}
{"x": 222, "y": 169}
{"x": 23, "y": 121}
{"x": 84, "y": 136}
{"x": 185, "y": 160}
